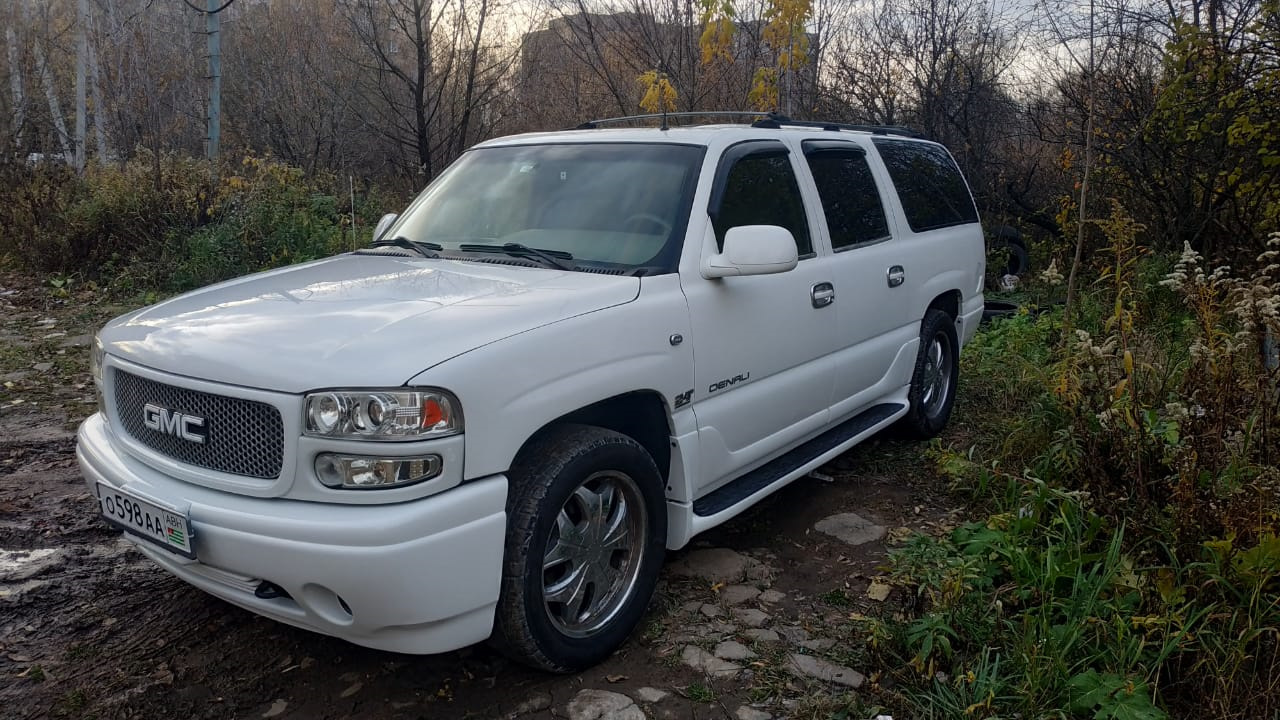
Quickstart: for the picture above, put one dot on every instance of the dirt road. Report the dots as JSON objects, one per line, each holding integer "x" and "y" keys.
{"x": 754, "y": 621}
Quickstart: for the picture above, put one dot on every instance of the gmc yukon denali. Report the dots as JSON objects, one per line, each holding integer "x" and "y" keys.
{"x": 572, "y": 352}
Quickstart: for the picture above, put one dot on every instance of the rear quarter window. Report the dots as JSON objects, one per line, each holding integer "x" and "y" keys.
{"x": 929, "y": 184}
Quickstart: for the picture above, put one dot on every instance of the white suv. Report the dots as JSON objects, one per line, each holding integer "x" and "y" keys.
{"x": 573, "y": 351}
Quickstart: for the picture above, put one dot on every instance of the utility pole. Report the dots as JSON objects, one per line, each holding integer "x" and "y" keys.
{"x": 213, "y": 28}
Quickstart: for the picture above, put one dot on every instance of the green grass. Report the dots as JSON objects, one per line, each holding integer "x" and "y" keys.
{"x": 1103, "y": 581}
{"x": 73, "y": 703}
{"x": 699, "y": 693}
{"x": 837, "y": 598}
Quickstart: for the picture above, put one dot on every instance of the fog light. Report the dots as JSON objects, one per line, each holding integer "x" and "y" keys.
{"x": 361, "y": 472}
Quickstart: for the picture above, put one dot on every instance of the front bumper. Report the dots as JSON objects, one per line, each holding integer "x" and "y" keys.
{"x": 414, "y": 577}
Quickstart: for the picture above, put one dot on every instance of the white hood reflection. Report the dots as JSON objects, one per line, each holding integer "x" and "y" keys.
{"x": 352, "y": 320}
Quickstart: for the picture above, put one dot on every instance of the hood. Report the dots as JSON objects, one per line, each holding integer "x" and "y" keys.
{"x": 352, "y": 320}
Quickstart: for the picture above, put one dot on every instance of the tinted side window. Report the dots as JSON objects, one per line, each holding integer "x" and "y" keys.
{"x": 849, "y": 197}
{"x": 932, "y": 191}
{"x": 761, "y": 189}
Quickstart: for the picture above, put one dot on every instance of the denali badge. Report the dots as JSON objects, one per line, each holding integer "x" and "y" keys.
{"x": 740, "y": 377}
{"x": 172, "y": 422}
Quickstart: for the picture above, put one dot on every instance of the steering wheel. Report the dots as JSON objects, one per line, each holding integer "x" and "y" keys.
{"x": 641, "y": 219}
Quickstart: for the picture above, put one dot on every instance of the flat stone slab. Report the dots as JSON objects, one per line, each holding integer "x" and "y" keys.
{"x": 818, "y": 644}
{"x": 850, "y": 528}
{"x": 651, "y": 695}
{"x": 738, "y": 594}
{"x": 719, "y": 565}
{"x": 768, "y": 637}
{"x": 603, "y": 705}
{"x": 535, "y": 703}
{"x": 746, "y": 712}
{"x": 699, "y": 659}
{"x": 819, "y": 669}
{"x": 751, "y": 617}
{"x": 772, "y": 597}
{"x": 794, "y": 634}
{"x": 733, "y": 650}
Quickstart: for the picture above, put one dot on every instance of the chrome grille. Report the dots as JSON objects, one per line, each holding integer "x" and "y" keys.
{"x": 244, "y": 437}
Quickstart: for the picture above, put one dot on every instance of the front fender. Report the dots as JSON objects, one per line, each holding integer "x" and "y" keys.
{"x": 512, "y": 388}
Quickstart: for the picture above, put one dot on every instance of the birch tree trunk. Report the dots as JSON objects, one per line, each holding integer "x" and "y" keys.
{"x": 55, "y": 107}
{"x": 15, "y": 85}
{"x": 82, "y": 42}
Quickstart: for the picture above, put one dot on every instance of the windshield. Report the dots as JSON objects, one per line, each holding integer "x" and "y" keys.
{"x": 618, "y": 204}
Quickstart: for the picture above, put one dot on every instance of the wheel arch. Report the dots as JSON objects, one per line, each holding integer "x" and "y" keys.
{"x": 641, "y": 415}
{"x": 948, "y": 302}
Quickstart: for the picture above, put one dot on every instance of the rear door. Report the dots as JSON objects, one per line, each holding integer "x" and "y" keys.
{"x": 876, "y": 318}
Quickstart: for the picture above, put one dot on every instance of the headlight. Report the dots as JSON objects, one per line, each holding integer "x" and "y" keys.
{"x": 382, "y": 414}
{"x": 359, "y": 472}
{"x": 96, "y": 353}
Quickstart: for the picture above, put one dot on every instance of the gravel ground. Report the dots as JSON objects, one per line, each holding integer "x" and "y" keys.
{"x": 758, "y": 619}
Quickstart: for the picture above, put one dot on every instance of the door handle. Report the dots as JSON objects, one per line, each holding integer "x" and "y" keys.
{"x": 896, "y": 276}
{"x": 823, "y": 294}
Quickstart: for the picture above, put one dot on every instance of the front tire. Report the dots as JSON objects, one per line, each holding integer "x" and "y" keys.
{"x": 586, "y": 537}
{"x": 933, "y": 384}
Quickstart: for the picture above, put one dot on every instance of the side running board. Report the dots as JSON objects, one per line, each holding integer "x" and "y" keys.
{"x": 749, "y": 484}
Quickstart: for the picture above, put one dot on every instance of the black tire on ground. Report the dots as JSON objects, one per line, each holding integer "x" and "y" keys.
{"x": 1008, "y": 238}
{"x": 546, "y": 617}
{"x": 1019, "y": 259}
{"x": 996, "y": 309}
{"x": 933, "y": 383}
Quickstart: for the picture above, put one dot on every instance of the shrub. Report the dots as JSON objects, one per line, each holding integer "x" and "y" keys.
{"x": 1131, "y": 560}
{"x": 171, "y": 223}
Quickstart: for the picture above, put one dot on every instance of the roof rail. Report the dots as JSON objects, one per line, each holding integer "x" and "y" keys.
{"x": 774, "y": 120}
{"x": 770, "y": 120}
{"x": 593, "y": 124}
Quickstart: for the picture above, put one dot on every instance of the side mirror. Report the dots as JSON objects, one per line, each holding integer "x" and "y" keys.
{"x": 383, "y": 225}
{"x": 753, "y": 250}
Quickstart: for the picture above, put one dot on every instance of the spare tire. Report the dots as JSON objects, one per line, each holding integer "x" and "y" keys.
{"x": 1007, "y": 238}
{"x": 995, "y": 308}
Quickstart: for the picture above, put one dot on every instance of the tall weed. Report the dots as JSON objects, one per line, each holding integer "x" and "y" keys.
{"x": 1131, "y": 565}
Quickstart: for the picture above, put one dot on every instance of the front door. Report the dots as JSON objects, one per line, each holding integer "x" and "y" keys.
{"x": 762, "y": 344}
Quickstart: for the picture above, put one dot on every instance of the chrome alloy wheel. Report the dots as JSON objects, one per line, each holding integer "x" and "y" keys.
{"x": 594, "y": 553}
{"x": 937, "y": 375}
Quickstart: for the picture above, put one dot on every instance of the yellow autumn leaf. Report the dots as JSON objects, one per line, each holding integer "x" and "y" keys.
{"x": 879, "y": 591}
{"x": 659, "y": 95}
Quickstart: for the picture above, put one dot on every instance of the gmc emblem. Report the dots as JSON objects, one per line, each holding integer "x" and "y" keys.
{"x": 171, "y": 422}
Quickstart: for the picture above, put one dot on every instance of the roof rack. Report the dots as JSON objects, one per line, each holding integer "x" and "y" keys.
{"x": 593, "y": 124}
{"x": 774, "y": 121}
{"x": 769, "y": 120}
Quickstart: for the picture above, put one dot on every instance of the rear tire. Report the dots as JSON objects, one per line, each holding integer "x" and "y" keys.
{"x": 933, "y": 384}
{"x": 586, "y": 536}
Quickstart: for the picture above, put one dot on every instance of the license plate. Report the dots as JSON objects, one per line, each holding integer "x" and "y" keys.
{"x": 162, "y": 526}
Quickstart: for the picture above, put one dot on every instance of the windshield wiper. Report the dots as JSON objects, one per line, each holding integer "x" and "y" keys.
{"x": 550, "y": 257}
{"x": 422, "y": 247}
